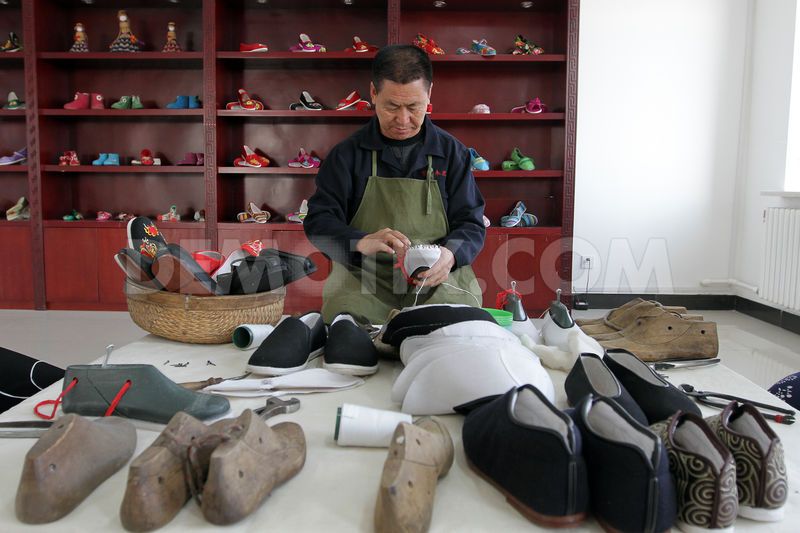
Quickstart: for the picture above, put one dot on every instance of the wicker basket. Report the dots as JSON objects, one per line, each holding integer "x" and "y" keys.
{"x": 200, "y": 319}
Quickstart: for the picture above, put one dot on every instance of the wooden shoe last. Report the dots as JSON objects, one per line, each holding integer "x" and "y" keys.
{"x": 419, "y": 455}
{"x": 68, "y": 462}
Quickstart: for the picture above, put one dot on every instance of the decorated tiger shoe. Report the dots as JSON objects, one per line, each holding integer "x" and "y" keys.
{"x": 144, "y": 237}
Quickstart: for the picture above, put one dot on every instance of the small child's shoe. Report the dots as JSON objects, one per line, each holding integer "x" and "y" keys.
{"x": 111, "y": 160}
{"x": 124, "y": 103}
{"x": 100, "y": 160}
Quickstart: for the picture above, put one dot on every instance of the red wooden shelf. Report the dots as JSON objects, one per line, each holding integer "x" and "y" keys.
{"x": 125, "y": 169}
{"x": 295, "y": 56}
{"x": 536, "y": 230}
{"x": 153, "y": 112}
{"x": 12, "y": 112}
{"x": 196, "y": 57}
{"x": 15, "y": 223}
{"x": 14, "y": 169}
{"x": 517, "y": 174}
{"x": 268, "y": 170}
{"x": 91, "y": 223}
{"x": 491, "y": 117}
{"x": 288, "y": 113}
{"x": 271, "y": 226}
{"x": 499, "y": 58}
{"x": 11, "y": 56}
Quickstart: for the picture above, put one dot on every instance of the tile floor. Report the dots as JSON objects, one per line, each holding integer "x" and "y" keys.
{"x": 755, "y": 349}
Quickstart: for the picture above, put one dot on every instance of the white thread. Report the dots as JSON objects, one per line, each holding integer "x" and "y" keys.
{"x": 31, "y": 375}
{"x": 416, "y": 297}
{"x": 12, "y": 396}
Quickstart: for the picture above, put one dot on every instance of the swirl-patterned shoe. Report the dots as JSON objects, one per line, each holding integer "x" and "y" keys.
{"x": 704, "y": 473}
{"x": 758, "y": 452}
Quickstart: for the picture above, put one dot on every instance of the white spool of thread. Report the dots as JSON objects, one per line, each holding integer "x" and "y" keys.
{"x": 357, "y": 425}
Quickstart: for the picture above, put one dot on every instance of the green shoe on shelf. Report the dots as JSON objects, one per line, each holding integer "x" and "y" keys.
{"x": 75, "y": 215}
{"x": 124, "y": 103}
{"x": 136, "y": 102}
{"x": 524, "y": 163}
{"x": 509, "y": 165}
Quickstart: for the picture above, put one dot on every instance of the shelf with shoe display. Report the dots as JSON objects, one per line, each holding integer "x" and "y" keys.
{"x": 499, "y": 58}
{"x": 194, "y": 59}
{"x": 16, "y": 169}
{"x": 116, "y": 113}
{"x": 268, "y": 170}
{"x": 496, "y": 117}
{"x": 11, "y": 113}
{"x": 125, "y": 169}
{"x": 296, "y": 115}
{"x": 322, "y": 57}
{"x": 91, "y": 223}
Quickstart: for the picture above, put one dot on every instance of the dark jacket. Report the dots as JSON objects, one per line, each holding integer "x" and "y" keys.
{"x": 343, "y": 177}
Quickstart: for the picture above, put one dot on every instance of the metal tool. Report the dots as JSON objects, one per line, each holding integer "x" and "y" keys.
{"x": 276, "y": 406}
{"x": 28, "y": 429}
{"x": 785, "y": 416}
{"x": 689, "y": 365}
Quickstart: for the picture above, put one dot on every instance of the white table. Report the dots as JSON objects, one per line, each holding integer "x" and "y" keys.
{"x": 336, "y": 489}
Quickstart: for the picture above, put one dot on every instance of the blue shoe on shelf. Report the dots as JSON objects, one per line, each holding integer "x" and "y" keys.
{"x": 515, "y": 217}
{"x": 111, "y": 160}
{"x": 476, "y": 161}
{"x": 194, "y": 102}
{"x": 481, "y": 47}
{"x": 181, "y": 102}
{"x": 100, "y": 160}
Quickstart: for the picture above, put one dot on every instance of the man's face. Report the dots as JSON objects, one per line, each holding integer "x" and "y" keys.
{"x": 401, "y": 107}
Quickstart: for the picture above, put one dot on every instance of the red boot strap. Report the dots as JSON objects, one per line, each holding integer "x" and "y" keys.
{"x": 55, "y": 403}
{"x": 502, "y": 298}
{"x": 117, "y": 398}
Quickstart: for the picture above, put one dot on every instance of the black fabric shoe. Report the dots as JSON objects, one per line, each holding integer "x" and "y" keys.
{"x": 177, "y": 271}
{"x": 151, "y": 396}
{"x": 349, "y": 349}
{"x": 521, "y": 437}
{"x": 629, "y": 479}
{"x": 658, "y": 398}
{"x": 423, "y": 319}
{"x": 590, "y": 375}
{"x": 144, "y": 237}
{"x": 294, "y": 266}
{"x": 290, "y": 347}
{"x": 24, "y": 376}
{"x": 257, "y": 274}
{"x": 705, "y": 473}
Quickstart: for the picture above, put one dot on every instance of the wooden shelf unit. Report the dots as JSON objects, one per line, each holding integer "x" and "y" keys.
{"x": 71, "y": 262}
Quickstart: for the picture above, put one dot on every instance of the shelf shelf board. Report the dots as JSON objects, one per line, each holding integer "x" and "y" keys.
{"x": 272, "y": 226}
{"x": 12, "y": 112}
{"x": 121, "y": 112}
{"x": 13, "y": 56}
{"x": 13, "y": 169}
{"x": 127, "y": 59}
{"x": 517, "y": 174}
{"x": 296, "y": 56}
{"x": 91, "y": 223}
{"x": 537, "y": 230}
{"x": 499, "y": 58}
{"x": 15, "y": 223}
{"x": 295, "y": 115}
{"x": 124, "y": 169}
{"x": 268, "y": 170}
{"x": 499, "y": 117}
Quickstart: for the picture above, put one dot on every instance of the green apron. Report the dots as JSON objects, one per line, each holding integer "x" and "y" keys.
{"x": 414, "y": 208}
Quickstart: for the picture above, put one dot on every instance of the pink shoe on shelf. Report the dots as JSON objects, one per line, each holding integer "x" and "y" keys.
{"x": 103, "y": 215}
{"x": 535, "y": 106}
{"x": 297, "y": 162}
{"x": 480, "y": 108}
{"x": 306, "y": 45}
{"x": 311, "y": 162}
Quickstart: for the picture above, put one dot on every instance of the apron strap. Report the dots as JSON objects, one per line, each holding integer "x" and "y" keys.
{"x": 429, "y": 179}
{"x": 374, "y": 163}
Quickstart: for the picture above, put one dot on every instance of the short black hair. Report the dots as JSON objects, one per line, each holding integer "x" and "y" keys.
{"x": 401, "y": 63}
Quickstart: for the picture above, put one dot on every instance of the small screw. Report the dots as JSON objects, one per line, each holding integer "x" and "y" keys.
{"x": 166, "y": 362}
{"x": 210, "y": 363}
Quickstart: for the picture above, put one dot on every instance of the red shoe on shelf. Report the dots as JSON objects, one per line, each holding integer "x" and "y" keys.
{"x": 363, "y": 105}
{"x": 103, "y": 215}
{"x": 360, "y": 46}
{"x": 245, "y": 102}
{"x": 80, "y": 101}
{"x": 146, "y": 157}
{"x": 429, "y": 45}
{"x": 70, "y": 158}
{"x": 124, "y": 217}
{"x": 97, "y": 101}
{"x": 170, "y": 216}
{"x": 253, "y": 47}
{"x": 250, "y": 158}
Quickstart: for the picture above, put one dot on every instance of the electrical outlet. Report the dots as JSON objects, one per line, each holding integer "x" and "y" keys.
{"x": 586, "y": 263}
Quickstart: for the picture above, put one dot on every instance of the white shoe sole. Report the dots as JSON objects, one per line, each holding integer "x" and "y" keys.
{"x": 350, "y": 370}
{"x": 282, "y": 371}
{"x": 760, "y": 514}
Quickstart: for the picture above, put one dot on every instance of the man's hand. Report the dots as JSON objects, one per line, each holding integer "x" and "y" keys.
{"x": 440, "y": 270}
{"x": 386, "y": 240}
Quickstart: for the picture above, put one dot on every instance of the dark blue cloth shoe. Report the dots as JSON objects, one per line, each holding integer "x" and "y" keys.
{"x": 629, "y": 478}
{"x": 531, "y": 452}
{"x": 658, "y": 398}
{"x": 423, "y": 319}
{"x": 291, "y": 346}
{"x": 590, "y": 375}
{"x": 349, "y": 349}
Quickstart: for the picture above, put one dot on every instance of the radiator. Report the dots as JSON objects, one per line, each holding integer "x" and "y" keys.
{"x": 780, "y": 281}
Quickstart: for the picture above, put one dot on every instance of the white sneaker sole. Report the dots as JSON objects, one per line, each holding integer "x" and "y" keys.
{"x": 350, "y": 370}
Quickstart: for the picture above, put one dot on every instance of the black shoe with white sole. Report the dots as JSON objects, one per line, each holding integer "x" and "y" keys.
{"x": 349, "y": 349}
{"x": 294, "y": 343}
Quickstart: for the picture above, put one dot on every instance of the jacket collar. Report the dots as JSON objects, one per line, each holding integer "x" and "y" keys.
{"x": 431, "y": 145}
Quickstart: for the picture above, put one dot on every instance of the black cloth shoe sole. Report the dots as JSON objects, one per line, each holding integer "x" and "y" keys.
{"x": 290, "y": 347}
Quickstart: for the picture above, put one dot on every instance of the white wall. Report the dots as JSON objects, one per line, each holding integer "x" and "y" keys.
{"x": 766, "y": 128}
{"x": 659, "y": 110}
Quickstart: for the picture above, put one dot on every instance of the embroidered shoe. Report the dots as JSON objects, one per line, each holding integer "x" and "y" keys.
{"x": 481, "y": 47}
{"x": 13, "y": 102}
{"x": 360, "y": 46}
{"x": 761, "y": 481}
{"x": 253, "y": 47}
{"x": 250, "y": 158}
{"x": 704, "y": 473}
{"x": 476, "y": 161}
{"x": 245, "y": 102}
{"x": 12, "y": 44}
{"x": 428, "y": 45}
{"x": 300, "y": 214}
{"x": 306, "y": 45}
{"x": 144, "y": 237}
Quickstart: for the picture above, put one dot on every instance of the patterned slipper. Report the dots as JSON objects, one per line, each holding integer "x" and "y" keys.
{"x": 514, "y": 218}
